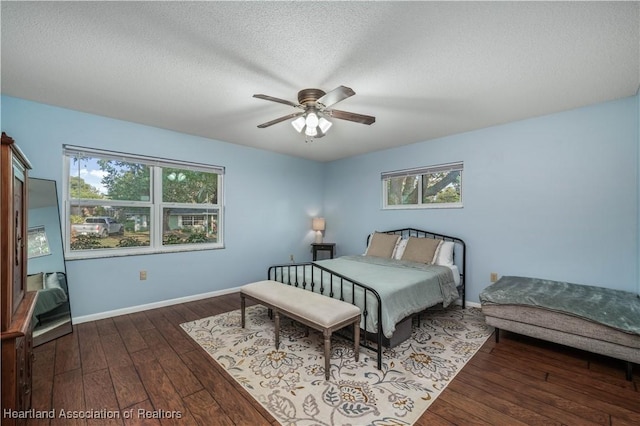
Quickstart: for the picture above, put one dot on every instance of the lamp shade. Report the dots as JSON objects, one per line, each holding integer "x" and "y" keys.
{"x": 318, "y": 224}
{"x": 298, "y": 124}
{"x": 312, "y": 120}
{"x": 324, "y": 124}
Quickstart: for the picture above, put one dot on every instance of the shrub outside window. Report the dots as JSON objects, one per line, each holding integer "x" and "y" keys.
{"x": 426, "y": 187}
{"x": 120, "y": 204}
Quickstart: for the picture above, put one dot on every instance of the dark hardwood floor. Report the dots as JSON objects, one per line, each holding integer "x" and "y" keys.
{"x": 144, "y": 361}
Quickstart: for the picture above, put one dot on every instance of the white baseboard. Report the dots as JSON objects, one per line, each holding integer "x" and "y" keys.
{"x": 467, "y": 304}
{"x": 154, "y": 305}
{"x": 169, "y": 302}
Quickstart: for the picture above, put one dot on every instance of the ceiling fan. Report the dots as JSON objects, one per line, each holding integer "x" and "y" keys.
{"x": 316, "y": 106}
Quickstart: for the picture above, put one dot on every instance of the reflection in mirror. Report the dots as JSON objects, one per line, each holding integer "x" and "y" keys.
{"x": 45, "y": 267}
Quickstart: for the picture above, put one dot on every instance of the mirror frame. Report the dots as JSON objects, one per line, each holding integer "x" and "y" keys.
{"x": 58, "y": 328}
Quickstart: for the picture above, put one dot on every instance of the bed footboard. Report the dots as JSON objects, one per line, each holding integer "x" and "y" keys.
{"x": 318, "y": 279}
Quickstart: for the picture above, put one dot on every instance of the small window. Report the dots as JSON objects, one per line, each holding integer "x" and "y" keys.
{"x": 120, "y": 204}
{"x": 37, "y": 242}
{"x": 426, "y": 187}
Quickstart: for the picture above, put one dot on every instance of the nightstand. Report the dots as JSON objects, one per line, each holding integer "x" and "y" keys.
{"x": 330, "y": 247}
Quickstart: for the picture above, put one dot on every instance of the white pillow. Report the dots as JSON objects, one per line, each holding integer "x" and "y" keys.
{"x": 444, "y": 255}
{"x": 51, "y": 280}
{"x": 402, "y": 244}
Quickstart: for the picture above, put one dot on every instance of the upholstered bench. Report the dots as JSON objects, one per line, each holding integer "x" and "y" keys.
{"x": 595, "y": 319}
{"x": 313, "y": 310}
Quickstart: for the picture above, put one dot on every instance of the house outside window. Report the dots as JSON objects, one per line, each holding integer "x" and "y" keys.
{"x": 123, "y": 204}
{"x": 190, "y": 220}
{"x": 437, "y": 186}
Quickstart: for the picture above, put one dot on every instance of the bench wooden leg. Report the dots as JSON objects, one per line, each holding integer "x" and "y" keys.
{"x": 327, "y": 353}
{"x": 242, "y": 307}
{"x": 356, "y": 338}
{"x": 277, "y": 319}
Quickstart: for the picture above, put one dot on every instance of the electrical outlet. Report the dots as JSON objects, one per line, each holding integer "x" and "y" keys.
{"x": 143, "y": 275}
{"x": 291, "y": 258}
{"x": 494, "y": 277}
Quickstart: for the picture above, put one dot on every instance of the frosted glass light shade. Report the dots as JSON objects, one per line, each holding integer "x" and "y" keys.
{"x": 311, "y": 131}
{"x": 312, "y": 120}
{"x": 298, "y": 123}
{"x": 324, "y": 124}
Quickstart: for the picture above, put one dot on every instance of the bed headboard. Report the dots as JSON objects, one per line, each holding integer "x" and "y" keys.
{"x": 413, "y": 232}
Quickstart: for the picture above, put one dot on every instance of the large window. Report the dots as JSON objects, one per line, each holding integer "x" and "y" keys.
{"x": 426, "y": 187}
{"x": 120, "y": 204}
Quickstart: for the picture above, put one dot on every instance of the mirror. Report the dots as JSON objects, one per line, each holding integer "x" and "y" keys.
{"x": 46, "y": 269}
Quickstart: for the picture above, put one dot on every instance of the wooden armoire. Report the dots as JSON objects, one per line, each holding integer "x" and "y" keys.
{"x": 17, "y": 303}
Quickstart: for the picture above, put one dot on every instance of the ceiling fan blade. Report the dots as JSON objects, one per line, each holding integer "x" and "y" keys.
{"x": 272, "y": 99}
{"x": 278, "y": 120}
{"x": 351, "y": 116}
{"x": 338, "y": 94}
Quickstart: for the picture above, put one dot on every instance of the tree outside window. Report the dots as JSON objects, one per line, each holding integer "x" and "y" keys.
{"x": 427, "y": 187}
{"x": 145, "y": 204}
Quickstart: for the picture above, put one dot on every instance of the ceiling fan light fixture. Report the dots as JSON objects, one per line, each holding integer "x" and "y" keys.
{"x": 324, "y": 124}
{"x": 299, "y": 123}
{"x": 312, "y": 120}
{"x": 316, "y": 105}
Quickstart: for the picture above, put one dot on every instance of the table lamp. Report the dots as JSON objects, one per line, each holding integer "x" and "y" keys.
{"x": 318, "y": 226}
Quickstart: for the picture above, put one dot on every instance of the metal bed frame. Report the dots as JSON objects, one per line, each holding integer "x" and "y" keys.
{"x": 338, "y": 283}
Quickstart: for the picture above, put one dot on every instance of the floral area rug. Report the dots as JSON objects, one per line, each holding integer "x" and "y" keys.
{"x": 290, "y": 384}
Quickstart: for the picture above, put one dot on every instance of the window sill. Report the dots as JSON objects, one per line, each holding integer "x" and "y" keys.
{"x": 85, "y": 255}
{"x": 424, "y": 206}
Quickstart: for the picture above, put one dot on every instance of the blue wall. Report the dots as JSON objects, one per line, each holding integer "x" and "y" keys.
{"x": 269, "y": 201}
{"x": 552, "y": 197}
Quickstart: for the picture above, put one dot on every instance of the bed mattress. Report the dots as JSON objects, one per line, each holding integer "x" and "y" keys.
{"x": 404, "y": 287}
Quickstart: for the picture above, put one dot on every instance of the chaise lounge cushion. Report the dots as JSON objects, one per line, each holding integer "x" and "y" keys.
{"x": 614, "y": 308}
{"x": 595, "y": 319}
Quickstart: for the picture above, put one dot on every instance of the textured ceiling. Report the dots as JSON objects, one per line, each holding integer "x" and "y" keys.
{"x": 423, "y": 69}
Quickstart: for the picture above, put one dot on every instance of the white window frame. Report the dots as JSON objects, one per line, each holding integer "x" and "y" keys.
{"x": 155, "y": 204}
{"x": 418, "y": 173}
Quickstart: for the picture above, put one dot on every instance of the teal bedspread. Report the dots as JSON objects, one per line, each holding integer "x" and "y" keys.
{"x": 404, "y": 287}
{"x": 614, "y": 308}
{"x": 48, "y": 299}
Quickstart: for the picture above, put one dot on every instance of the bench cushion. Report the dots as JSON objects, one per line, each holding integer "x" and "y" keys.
{"x": 319, "y": 309}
